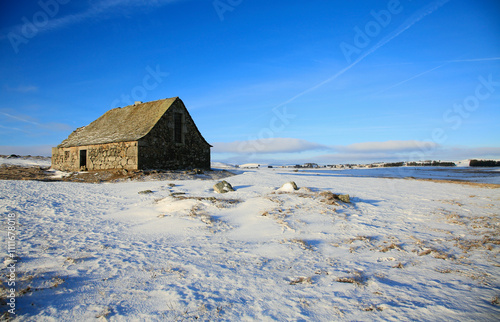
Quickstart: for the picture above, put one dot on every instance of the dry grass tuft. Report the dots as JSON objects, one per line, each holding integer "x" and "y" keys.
{"x": 304, "y": 303}
{"x": 351, "y": 280}
{"x": 399, "y": 265}
{"x": 452, "y": 202}
{"x": 425, "y": 252}
{"x": 361, "y": 238}
{"x": 440, "y": 255}
{"x": 358, "y": 279}
{"x": 385, "y": 249}
{"x": 57, "y": 281}
{"x": 303, "y": 244}
{"x": 466, "y": 183}
{"x": 219, "y": 203}
{"x": 280, "y": 215}
{"x": 329, "y": 197}
{"x": 467, "y": 245}
{"x": 301, "y": 280}
{"x": 104, "y": 313}
{"x": 454, "y": 218}
{"x": 372, "y": 308}
{"x": 215, "y": 225}
{"x": 26, "y": 290}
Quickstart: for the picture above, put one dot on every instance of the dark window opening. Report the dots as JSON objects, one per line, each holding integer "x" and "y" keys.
{"x": 83, "y": 158}
{"x": 178, "y": 127}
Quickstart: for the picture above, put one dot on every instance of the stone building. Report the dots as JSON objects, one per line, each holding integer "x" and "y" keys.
{"x": 153, "y": 135}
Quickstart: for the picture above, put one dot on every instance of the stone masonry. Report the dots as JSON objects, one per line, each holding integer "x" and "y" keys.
{"x": 121, "y": 155}
{"x": 153, "y": 135}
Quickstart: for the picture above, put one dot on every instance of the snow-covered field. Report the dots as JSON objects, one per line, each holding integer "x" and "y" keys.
{"x": 471, "y": 174}
{"x": 401, "y": 250}
{"x": 26, "y": 161}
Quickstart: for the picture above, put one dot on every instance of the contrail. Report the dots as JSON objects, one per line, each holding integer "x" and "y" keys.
{"x": 14, "y": 128}
{"x": 473, "y": 59}
{"x": 430, "y": 70}
{"x": 100, "y": 9}
{"x": 405, "y": 26}
{"x": 19, "y": 118}
{"x": 409, "y": 79}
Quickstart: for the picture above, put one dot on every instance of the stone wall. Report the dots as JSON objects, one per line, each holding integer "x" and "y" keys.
{"x": 65, "y": 159}
{"x": 168, "y": 145}
{"x": 121, "y": 155}
{"x": 158, "y": 149}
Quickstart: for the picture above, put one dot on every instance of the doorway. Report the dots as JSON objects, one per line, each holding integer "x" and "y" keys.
{"x": 83, "y": 159}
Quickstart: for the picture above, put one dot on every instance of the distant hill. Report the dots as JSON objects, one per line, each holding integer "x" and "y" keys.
{"x": 484, "y": 163}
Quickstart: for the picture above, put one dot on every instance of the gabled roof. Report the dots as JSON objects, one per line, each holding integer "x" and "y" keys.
{"x": 125, "y": 124}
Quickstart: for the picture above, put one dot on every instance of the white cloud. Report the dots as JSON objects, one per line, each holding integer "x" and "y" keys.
{"x": 472, "y": 153}
{"x": 388, "y": 146}
{"x": 292, "y": 145}
{"x": 43, "y": 150}
{"x": 271, "y": 145}
{"x": 22, "y": 89}
{"x": 439, "y": 153}
{"x": 361, "y": 157}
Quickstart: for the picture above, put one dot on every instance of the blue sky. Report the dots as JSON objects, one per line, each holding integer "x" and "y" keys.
{"x": 265, "y": 81}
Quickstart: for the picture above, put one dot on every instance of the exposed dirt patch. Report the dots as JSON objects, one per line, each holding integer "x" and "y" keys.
{"x": 468, "y": 183}
{"x": 15, "y": 172}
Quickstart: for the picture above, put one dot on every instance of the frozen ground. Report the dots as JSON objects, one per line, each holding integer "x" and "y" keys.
{"x": 26, "y": 161}
{"x": 471, "y": 174}
{"x": 402, "y": 250}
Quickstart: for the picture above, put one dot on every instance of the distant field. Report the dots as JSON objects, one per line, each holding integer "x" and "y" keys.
{"x": 480, "y": 175}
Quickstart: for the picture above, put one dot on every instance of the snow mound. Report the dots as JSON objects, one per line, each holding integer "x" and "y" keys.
{"x": 288, "y": 187}
{"x": 221, "y": 165}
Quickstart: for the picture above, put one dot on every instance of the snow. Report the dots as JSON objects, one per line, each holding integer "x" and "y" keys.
{"x": 462, "y": 163}
{"x": 57, "y": 174}
{"x": 472, "y": 174}
{"x": 402, "y": 250}
{"x": 221, "y": 165}
{"x": 250, "y": 165}
{"x": 26, "y": 161}
{"x": 288, "y": 187}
